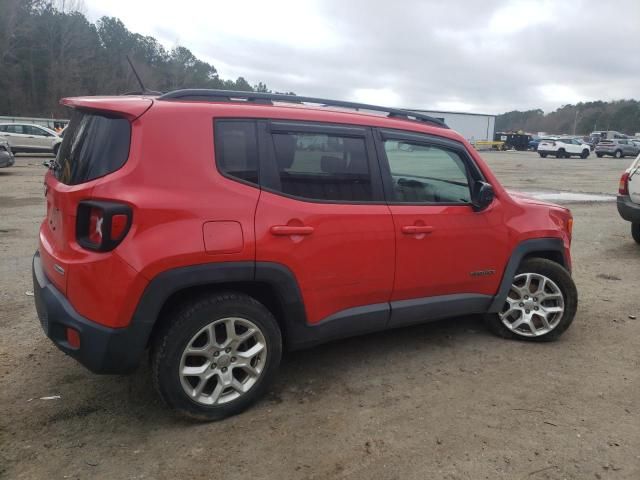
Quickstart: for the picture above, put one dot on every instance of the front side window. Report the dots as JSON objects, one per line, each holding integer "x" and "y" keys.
{"x": 426, "y": 173}
{"x": 323, "y": 167}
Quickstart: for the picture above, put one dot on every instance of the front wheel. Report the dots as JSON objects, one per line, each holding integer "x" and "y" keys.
{"x": 618, "y": 154}
{"x": 584, "y": 154}
{"x": 543, "y": 155}
{"x": 541, "y": 303}
{"x": 216, "y": 356}
{"x": 635, "y": 232}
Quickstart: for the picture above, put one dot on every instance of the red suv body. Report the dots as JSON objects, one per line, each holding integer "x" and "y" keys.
{"x": 335, "y": 222}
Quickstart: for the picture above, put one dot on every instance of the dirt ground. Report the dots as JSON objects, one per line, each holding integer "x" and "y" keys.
{"x": 445, "y": 400}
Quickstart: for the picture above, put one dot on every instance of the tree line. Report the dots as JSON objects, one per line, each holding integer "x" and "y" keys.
{"x": 49, "y": 51}
{"x": 580, "y": 119}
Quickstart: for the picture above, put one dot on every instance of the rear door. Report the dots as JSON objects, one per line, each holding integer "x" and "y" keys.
{"x": 322, "y": 215}
{"x": 443, "y": 247}
{"x": 17, "y": 138}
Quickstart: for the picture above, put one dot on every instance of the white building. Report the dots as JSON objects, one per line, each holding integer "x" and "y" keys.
{"x": 472, "y": 126}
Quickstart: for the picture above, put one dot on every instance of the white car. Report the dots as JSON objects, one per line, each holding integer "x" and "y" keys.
{"x": 563, "y": 148}
{"x": 629, "y": 197}
{"x": 26, "y": 137}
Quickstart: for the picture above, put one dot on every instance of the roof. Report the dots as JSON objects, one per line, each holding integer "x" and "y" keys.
{"x": 453, "y": 113}
{"x": 208, "y": 95}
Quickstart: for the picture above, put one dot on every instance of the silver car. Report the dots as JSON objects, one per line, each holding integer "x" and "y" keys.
{"x": 26, "y": 137}
{"x": 6, "y": 155}
{"x": 617, "y": 148}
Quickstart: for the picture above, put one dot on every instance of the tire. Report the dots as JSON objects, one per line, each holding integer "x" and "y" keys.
{"x": 56, "y": 147}
{"x": 561, "y": 282}
{"x": 561, "y": 154}
{"x": 635, "y": 232}
{"x": 189, "y": 326}
{"x": 618, "y": 154}
{"x": 584, "y": 154}
{"x": 543, "y": 155}
{"x": 599, "y": 155}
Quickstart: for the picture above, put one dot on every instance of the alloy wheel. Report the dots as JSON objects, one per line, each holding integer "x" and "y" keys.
{"x": 223, "y": 361}
{"x": 534, "y": 305}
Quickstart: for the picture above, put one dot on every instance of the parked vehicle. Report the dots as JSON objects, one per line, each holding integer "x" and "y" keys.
{"x": 563, "y": 148}
{"x": 30, "y": 138}
{"x": 607, "y": 135}
{"x": 617, "y": 148}
{"x": 629, "y": 197}
{"x": 6, "y": 155}
{"x": 512, "y": 140}
{"x": 200, "y": 225}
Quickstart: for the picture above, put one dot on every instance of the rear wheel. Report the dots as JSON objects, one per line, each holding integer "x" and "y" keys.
{"x": 635, "y": 232}
{"x": 618, "y": 154}
{"x": 585, "y": 153}
{"x": 541, "y": 303}
{"x": 599, "y": 155}
{"x": 217, "y": 356}
{"x": 561, "y": 153}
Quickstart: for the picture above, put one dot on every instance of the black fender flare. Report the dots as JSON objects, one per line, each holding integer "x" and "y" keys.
{"x": 522, "y": 250}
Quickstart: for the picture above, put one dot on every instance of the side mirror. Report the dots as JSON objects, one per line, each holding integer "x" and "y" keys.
{"x": 483, "y": 196}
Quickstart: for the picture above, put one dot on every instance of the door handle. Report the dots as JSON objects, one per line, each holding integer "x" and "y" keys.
{"x": 285, "y": 230}
{"x": 414, "y": 229}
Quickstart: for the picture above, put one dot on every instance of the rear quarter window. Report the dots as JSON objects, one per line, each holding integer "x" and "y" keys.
{"x": 95, "y": 144}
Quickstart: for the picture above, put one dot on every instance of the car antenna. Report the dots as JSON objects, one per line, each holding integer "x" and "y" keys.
{"x": 143, "y": 89}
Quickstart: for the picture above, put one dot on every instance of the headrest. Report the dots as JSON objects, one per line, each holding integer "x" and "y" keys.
{"x": 285, "y": 150}
{"x": 333, "y": 164}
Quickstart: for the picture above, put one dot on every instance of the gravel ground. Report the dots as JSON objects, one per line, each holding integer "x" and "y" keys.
{"x": 440, "y": 401}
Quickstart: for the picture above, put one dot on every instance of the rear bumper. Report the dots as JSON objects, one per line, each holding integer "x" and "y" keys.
{"x": 6, "y": 159}
{"x": 628, "y": 210}
{"x": 102, "y": 349}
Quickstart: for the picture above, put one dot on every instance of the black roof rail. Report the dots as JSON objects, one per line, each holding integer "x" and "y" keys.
{"x": 207, "y": 95}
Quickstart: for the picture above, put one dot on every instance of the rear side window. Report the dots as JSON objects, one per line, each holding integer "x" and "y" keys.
{"x": 95, "y": 144}
{"x": 323, "y": 167}
{"x": 237, "y": 149}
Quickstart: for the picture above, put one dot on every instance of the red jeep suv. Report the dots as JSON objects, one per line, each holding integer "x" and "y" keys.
{"x": 214, "y": 229}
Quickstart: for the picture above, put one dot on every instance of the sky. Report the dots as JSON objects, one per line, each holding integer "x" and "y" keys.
{"x": 487, "y": 56}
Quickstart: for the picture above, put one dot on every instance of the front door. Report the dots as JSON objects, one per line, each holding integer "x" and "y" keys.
{"x": 443, "y": 246}
{"x": 322, "y": 215}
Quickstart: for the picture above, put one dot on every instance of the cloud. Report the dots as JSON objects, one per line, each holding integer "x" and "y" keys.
{"x": 489, "y": 56}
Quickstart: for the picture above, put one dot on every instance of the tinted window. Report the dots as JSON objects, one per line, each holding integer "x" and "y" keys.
{"x": 427, "y": 174}
{"x": 95, "y": 145}
{"x": 15, "y": 129}
{"x": 236, "y": 149}
{"x": 323, "y": 167}
{"x": 31, "y": 130}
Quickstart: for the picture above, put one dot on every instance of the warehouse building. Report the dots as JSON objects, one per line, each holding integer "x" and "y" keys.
{"x": 472, "y": 126}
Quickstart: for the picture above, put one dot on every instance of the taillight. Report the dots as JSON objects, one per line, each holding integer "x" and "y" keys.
{"x": 102, "y": 225}
{"x": 623, "y": 189}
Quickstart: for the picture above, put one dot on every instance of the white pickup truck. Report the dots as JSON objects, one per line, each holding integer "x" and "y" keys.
{"x": 629, "y": 197}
